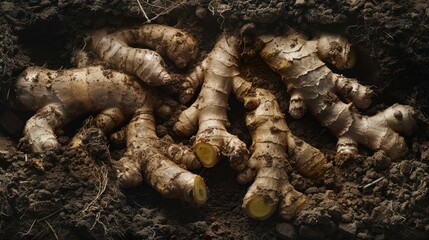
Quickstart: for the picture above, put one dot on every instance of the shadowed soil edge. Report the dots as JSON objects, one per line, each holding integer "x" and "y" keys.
{"x": 75, "y": 196}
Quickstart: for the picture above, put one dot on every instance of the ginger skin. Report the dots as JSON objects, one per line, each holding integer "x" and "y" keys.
{"x": 114, "y": 49}
{"x": 60, "y": 96}
{"x": 313, "y": 86}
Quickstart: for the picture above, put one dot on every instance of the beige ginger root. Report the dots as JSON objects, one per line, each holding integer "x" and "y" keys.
{"x": 115, "y": 49}
{"x": 312, "y": 85}
{"x": 59, "y": 96}
{"x": 272, "y": 143}
{"x": 208, "y": 113}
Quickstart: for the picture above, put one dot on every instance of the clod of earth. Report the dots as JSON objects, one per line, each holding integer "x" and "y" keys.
{"x": 312, "y": 85}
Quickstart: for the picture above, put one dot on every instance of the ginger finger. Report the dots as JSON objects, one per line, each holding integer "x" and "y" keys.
{"x": 193, "y": 81}
{"x": 148, "y": 65}
{"x": 109, "y": 119}
{"x": 187, "y": 123}
{"x": 353, "y": 92}
{"x": 380, "y": 131}
{"x": 178, "y": 153}
{"x": 39, "y": 131}
{"x": 179, "y": 46}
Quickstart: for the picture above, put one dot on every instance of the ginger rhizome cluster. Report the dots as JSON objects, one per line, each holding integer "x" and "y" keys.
{"x": 60, "y": 96}
{"x": 313, "y": 86}
{"x": 118, "y": 90}
{"x": 268, "y": 160}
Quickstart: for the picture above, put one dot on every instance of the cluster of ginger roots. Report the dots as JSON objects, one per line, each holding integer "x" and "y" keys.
{"x": 118, "y": 82}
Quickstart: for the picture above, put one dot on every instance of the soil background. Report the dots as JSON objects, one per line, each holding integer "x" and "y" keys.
{"x": 74, "y": 196}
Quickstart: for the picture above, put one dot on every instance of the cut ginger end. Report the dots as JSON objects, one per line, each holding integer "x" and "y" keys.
{"x": 258, "y": 208}
{"x": 206, "y": 153}
{"x": 199, "y": 192}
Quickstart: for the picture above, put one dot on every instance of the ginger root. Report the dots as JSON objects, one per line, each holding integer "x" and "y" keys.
{"x": 312, "y": 85}
{"x": 114, "y": 48}
{"x": 272, "y": 143}
{"x": 208, "y": 113}
{"x": 60, "y": 96}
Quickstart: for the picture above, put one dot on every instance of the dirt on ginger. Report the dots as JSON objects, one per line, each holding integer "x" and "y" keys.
{"x": 312, "y": 85}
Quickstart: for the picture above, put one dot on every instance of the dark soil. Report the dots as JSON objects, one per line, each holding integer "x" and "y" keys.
{"x": 74, "y": 195}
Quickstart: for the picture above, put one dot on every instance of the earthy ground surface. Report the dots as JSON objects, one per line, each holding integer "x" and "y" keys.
{"x": 75, "y": 196}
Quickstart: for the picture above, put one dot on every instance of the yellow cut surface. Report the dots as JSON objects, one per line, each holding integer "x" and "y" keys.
{"x": 258, "y": 208}
{"x": 206, "y": 154}
{"x": 200, "y": 191}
